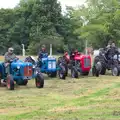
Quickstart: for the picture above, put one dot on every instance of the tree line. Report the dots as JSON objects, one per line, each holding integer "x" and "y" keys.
{"x": 37, "y": 22}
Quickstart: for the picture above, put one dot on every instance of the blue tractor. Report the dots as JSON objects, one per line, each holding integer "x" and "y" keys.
{"x": 20, "y": 72}
{"x": 49, "y": 66}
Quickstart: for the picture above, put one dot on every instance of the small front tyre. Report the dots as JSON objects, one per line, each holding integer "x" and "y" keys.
{"x": 39, "y": 80}
{"x": 10, "y": 82}
{"x": 62, "y": 73}
{"x": 25, "y": 82}
{"x": 66, "y": 70}
{"x": 95, "y": 71}
{"x": 74, "y": 73}
{"x": 115, "y": 71}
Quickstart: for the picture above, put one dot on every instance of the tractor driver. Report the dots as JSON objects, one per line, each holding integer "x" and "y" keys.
{"x": 42, "y": 52}
{"x": 9, "y": 57}
{"x": 73, "y": 53}
{"x": 112, "y": 51}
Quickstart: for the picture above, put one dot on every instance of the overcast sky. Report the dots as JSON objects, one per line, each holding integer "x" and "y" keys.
{"x": 13, "y": 3}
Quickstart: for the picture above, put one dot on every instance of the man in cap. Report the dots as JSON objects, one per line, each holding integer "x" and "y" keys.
{"x": 109, "y": 44}
{"x": 112, "y": 50}
{"x": 42, "y": 52}
{"x": 9, "y": 57}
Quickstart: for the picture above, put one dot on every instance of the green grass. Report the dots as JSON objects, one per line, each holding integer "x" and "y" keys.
{"x": 86, "y": 98}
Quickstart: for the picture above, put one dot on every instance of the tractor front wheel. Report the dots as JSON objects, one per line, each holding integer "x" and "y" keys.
{"x": 115, "y": 71}
{"x": 103, "y": 70}
{"x": 39, "y": 80}
{"x": 62, "y": 72}
{"x": 74, "y": 73}
{"x": 10, "y": 82}
{"x": 25, "y": 82}
{"x": 95, "y": 72}
{"x": 66, "y": 70}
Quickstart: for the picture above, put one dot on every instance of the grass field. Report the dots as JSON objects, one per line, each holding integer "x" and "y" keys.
{"x": 86, "y": 98}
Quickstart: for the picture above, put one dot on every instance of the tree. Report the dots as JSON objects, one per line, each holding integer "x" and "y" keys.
{"x": 6, "y": 21}
{"x": 100, "y": 17}
{"x": 46, "y": 16}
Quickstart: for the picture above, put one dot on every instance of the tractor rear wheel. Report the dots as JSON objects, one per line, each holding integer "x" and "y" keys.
{"x": 39, "y": 80}
{"x": 74, "y": 72}
{"x": 10, "y": 82}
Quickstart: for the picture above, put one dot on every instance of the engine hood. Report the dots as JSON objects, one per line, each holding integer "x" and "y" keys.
{"x": 79, "y": 57}
{"x": 20, "y": 64}
{"x": 48, "y": 58}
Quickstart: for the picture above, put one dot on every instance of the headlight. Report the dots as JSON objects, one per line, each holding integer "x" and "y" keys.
{"x": 33, "y": 66}
{"x": 119, "y": 59}
{"x": 18, "y": 67}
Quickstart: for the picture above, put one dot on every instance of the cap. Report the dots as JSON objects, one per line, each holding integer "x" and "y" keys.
{"x": 43, "y": 46}
{"x": 10, "y": 49}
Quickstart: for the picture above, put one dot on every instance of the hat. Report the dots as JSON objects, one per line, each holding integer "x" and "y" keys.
{"x": 43, "y": 46}
{"x": 11, "y": 49}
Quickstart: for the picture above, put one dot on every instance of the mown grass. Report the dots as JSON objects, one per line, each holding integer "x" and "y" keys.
{"x": 86, "y": 98}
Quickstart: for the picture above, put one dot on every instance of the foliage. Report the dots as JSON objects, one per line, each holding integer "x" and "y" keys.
{"x": 37, "y": 22}
{"x": 100, "y": 21}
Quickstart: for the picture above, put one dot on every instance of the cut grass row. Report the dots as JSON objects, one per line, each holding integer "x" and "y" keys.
{"x": 87, "y": 98}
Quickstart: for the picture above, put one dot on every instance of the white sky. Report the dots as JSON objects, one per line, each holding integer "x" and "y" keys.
{"x": 13, "y": 3}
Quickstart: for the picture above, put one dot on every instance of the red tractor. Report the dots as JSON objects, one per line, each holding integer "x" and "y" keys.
{"x": 76, "y": 62}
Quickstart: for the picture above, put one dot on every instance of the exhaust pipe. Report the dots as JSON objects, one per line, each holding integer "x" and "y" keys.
{"x": 50, "y": 50}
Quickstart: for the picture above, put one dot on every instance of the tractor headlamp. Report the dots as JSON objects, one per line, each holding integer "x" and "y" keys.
{"x": 18, "y": 67}
{"x": 33, "y": 66}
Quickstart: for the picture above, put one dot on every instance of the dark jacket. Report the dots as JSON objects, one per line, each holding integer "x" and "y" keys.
{"x": 111, "y": 52}
{"x": 9, "y": 57}
{"x": 42, "y": 54}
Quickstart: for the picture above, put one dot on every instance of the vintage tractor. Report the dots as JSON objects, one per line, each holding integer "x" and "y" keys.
{"x": 20, "y": 72}
{"x": 49, "y": 66}
{"x": 102, "y": 63}
{"x": 76, "y": 63}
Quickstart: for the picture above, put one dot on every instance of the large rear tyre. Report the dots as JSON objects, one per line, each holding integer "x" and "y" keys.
{"x": 74, "y": 73}
{"x": 39, "y": 80}
{"x": 10, "y": 82}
